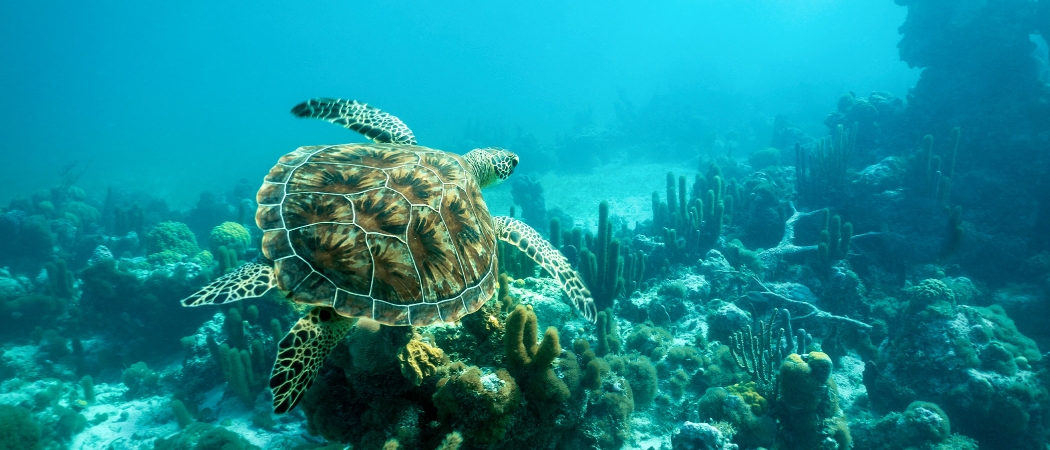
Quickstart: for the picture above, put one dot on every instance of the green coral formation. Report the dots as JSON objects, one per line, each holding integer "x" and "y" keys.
{"x": 231, "y": 235}
{"x": 18, "y": 431}
{"x": 641, "y": 374}
{"x": 480, "y": 405}
{"x": 835, "y": 240}
{"x": 140, "y": 380}
{"x": 88, "y": 385}
{"x": 752, "y": 430}
{"x": 237, "y": 370}
{"x": 925, "y": 422}
{"x": 767, "y": 157}
{"x": 171, "y": 236}
{"x": 692, "y": 223}
{"x": 810, "y": 414}
{"x": 182, "y": 415}
{"x": 649, "y": 340}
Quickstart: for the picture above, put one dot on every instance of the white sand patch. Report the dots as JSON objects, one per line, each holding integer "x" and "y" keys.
{"x": 646, "y": 433}
{"x": 127, "y": 424}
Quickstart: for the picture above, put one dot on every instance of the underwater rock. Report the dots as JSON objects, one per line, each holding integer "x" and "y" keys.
{"x": 10, "y": 288}
{"x": 700, "y": 436}
{"x": 101, "y": 252}
{"x": 210, "y": 210}
{"x": 725, "y": 320}
{"x": 755, "y": 427}
{"x": 1028, "y": 306}
{"x": 878, "y": 116}
{"x": 971, "y": 361}
{"x": 528, "y": 194}
{"x": 922, "y": 425}
{"x": 886, "y": 175}
{"x": 718, "y": 272}
{"x": 765, "y": 158}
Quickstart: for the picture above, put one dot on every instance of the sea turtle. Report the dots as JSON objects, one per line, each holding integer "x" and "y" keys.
{"x": 391, "y": 231}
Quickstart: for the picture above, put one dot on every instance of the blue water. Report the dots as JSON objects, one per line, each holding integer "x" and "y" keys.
{"x": 153, "y": 94}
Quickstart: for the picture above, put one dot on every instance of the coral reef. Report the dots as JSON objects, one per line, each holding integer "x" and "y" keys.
{"x": 882, "y": 286}
{"x": 528, "y": 194}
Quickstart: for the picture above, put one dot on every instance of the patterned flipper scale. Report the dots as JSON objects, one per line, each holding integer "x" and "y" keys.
{"x": 251, "y": 280}
{"x": 370, "y": 121}
{"x": 301, "y": 353}
{"x": 526, "y": 239}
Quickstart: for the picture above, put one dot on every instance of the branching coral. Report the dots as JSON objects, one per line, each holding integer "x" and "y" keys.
{"x": 760, "y": 354}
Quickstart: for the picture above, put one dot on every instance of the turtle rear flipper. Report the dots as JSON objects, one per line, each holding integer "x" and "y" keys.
{"x": 301, "y": 353}
{"x": 251, "y": 280}
{"x": 375, "y": 124}
{"x": 526, "y": 239}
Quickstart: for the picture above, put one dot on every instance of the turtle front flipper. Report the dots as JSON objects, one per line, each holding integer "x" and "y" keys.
{"x": 526, "y": 239}
{"x": 301, "y": 353}
{"x": 253, "y": 279}
{"x": 375, "y": 124}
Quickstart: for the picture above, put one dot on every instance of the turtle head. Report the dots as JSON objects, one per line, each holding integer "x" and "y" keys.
{"x": 491, "y": 165}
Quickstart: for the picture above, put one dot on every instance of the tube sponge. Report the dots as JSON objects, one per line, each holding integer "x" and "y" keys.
{"x": 182, "y": 415}
{"x": 88, "y": 384}
{"x": 520, "y": 341}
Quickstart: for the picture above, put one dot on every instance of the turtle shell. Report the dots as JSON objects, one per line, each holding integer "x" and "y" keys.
{"x": 396, "y": 233}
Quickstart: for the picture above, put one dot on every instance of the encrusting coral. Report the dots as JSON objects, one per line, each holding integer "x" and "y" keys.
{"x": 420, "y": 360}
